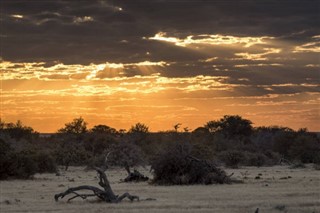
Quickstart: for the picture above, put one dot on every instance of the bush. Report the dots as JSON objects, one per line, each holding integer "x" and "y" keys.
{"x": 232, "y": 158}
{"x": 24, "y": 165}
{"x": 45, "y": 163}
{"x": 17, "y": 165}
{"x": 97, "y": 143}
{"x": 18, "y": 131}
{"x": 4, "y": 147}
{"x": 273, "y": 158}
{"x": 282, "y": 142}
{"x": 14, "y": 164}
{"x": 255, "y": 159}
{"x": 71, "y": 154}
{"x": 5, "y": 159}
{"x": 297, "y": 165}
{"x": 122, "y": 154}
{"x": 176, "y": 166}
{"x": 96, "y": 161}
{"x": 126, "y": 154}
{"x": 316, "y": 166}
{"x": 305, "y": 148}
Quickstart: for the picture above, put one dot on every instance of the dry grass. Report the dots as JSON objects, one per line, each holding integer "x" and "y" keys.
{"x": 274, "y": 191}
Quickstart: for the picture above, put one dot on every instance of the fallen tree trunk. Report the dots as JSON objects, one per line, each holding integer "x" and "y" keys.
{"x": 106, "y": 195}
{"x": 134, "y": 176}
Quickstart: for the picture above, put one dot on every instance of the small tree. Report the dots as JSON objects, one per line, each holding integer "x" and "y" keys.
{"x": 126, "y": 155}
{"x": 212, "y": 126}
{"x": 176, "y": 127}
{"x": 17, "y": 130}
{"x": 231, "y": 126}
{"x": 103, "y": 129}
{"x": 71, "y": 154}
{"x": 232, "y": 158}
{"x": 305, "y": 148}
{"x": 77, "y": 126}
{"x": 139, "y": 128}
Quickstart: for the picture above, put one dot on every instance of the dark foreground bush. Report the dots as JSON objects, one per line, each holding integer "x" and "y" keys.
{"x": 17, "y": 165}
{"x": 23, "y": 164}
{"x": 125, "y": 154}
{"x": 176, "y": 166}
{"x": 235, "y": 158}
{"x": 306, "y": 149}
{"x": 255, "y": 159}
{"x": 316, "y": 166}
{"x": 45, "y": 163}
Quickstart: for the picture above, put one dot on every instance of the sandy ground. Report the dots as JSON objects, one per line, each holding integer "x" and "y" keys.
{"x": 279, "y": 189}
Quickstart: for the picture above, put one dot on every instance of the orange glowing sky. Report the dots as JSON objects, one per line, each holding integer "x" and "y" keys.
{"x": 119, "y": 64}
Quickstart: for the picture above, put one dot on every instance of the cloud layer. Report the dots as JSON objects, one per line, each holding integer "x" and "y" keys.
{"x": 160, "y": 61}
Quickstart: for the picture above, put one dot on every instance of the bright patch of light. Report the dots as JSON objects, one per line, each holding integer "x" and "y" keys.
{"x": 149, "y": 63}
{"x": 17, "y": 16}
{"x": 257, "y": 56}
{"x": 258, "y": 65}
{"x": 207, "y": 39}
{"x": 74, "y": 71}
{"x": 313, "y": 46}
{"x": 209, "y": 59}
{"x": 308, "y": 47}
{"x": 82, "y": 19}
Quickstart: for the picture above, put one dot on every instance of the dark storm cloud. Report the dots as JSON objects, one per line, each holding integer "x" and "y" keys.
{"x": 84, "y": 32}
{"x": 92, "y": 31}
{"x": 247, "y": 17}
{"x": 74, "y": 32}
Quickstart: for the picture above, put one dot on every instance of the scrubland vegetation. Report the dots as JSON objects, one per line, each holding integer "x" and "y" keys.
{"x": 276, "y": 168}
{"x": 230, "y": 141}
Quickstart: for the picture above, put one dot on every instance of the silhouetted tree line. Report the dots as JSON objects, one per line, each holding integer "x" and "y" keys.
{"x": 231, "y": 141}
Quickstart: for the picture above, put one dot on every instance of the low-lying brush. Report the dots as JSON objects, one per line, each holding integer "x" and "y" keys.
{"x": 176, "y": 166}
{"x": 24, "y": 164}
{"x": 232, "y": 158}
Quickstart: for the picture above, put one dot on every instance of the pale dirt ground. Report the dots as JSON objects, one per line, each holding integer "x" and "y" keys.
{"x": 299, "y": 194}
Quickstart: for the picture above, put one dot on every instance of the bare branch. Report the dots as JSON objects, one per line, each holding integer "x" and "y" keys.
{"x": 106, "y": 195}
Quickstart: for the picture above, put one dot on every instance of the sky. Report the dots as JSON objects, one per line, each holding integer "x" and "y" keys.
{"x": 160, "y": 62}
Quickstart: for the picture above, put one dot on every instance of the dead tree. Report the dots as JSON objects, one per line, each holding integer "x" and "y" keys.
{"x": 134, "y": 176}
{"x": 106, "y": 194}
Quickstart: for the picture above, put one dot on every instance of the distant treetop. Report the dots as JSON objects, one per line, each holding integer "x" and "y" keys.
{"x": 77, "y": 126}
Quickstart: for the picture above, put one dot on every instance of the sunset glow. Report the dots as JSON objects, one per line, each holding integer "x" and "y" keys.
{"x": 121, "y": 64}
{"x": 211, "y": 40}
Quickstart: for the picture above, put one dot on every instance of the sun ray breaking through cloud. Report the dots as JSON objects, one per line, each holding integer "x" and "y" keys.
{"x": 123, "y": 62}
